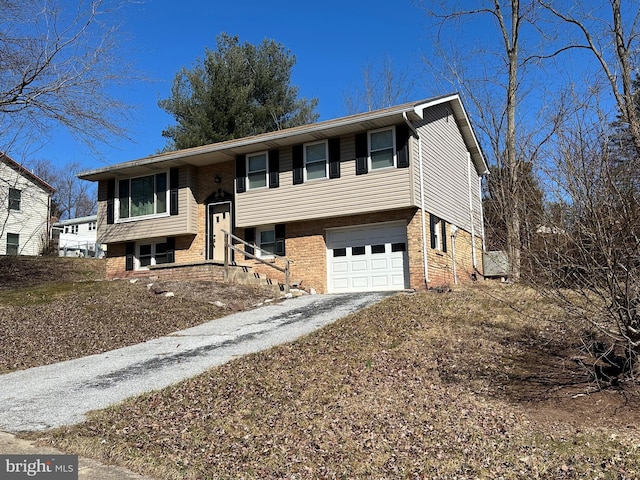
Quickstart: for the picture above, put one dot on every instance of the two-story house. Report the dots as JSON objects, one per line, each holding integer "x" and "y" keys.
{"x": 77, "y": 237}
{"x": 384, "y": 200}
{"x": 25, "y": 201}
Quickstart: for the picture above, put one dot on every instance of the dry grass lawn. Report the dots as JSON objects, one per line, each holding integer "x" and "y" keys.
{"x": 475, "y": 383}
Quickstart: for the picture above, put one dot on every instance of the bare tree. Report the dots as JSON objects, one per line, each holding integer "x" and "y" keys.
{"x": 588, "y": 257}
{"x": 494, "y": 78}
{"x": 58, "y": 61}
{"x": 382, "y": 87}
{"x": 613, "y": 41}
{"x": 73, "y": 197}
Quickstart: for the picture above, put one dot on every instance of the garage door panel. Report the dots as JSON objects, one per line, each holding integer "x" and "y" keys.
{"x": 379, "y": 264}
{"x": 359, "y": 266}
{"x": 340, "y": 267}
{"x": 367, "y": 257}
{"x": 397, "y": 262}
{"x": 380, "y": 281}
{"x": 360, "y": 282}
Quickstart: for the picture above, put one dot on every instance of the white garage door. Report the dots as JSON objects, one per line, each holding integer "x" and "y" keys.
{"x": 367, "y": 258}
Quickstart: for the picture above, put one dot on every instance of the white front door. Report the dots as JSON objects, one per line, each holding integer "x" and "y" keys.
{"x": 218, "y": 221}
{"x": 367, "y": 258}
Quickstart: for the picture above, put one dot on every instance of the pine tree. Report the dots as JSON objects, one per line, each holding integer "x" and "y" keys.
{"x": 237, "y": 90}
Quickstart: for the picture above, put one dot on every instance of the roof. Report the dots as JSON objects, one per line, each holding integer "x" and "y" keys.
{"x": 25, "y": 172}
{"x": 228, "y": 150}
{"x": 78, "y": 220}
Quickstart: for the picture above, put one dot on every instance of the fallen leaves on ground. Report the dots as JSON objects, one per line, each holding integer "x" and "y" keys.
{"x": 475, "y": 383}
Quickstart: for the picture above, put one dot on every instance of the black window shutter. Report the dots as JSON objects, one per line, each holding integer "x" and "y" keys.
{"x": 111, "y": 193}
{"x": 334, "y": 158}
{"x": 274, "y": 168}
{"x": 241, "y": 174}
{"x": 249, "y": 237}
{"x": 432, "y": 230}
{"x": 130, "y": 251}
{"x": 402, "y": 146}
{"x": 362, "y": 154}
{"x": 298, "y": 164}
{"x": 280, "y": 236}
{"x": 443, "y": 224}
{"x": 174, "y": 178}
{"x": 171, "y": 250}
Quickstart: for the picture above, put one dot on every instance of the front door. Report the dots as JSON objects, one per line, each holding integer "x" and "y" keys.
{"x": 218, "y": 222}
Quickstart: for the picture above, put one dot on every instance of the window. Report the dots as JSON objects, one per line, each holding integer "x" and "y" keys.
{"x": 358, "y": 250}
{"x": 267, "y": 242}
{"x": 15, "y": 196}
{"x": 381, "y": 148}
{"x": 13, "y": 243}
{"x": 438, "y": 230}
{"x": 153, "y": 254}
{"x": 92, "y": 226}
{"x": 142, "y": 196}
{"x": 315, "y": 160}
{"x": 257, "y": 170}
{"x": 378, "y": 248}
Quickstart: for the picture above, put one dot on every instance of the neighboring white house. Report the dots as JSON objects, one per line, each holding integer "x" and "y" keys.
{"x": 25, "y": 201}
{"x": 77, "y": 237}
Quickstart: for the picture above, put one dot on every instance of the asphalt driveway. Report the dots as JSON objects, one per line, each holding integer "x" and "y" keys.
{"x": 60, "y": 394}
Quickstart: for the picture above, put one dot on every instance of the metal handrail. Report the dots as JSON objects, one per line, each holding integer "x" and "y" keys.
{"x": 228, "y": 245}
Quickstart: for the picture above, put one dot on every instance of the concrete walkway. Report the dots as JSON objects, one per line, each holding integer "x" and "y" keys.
{"x": 61, "y": 394}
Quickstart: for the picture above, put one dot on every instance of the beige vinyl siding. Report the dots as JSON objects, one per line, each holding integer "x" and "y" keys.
{"x": 185, "y": 223}
{"x": 351, "y": 194}
{"x": 445, "y": 170}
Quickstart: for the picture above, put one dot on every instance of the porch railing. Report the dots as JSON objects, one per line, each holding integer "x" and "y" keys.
{"x": 228, "y": 246}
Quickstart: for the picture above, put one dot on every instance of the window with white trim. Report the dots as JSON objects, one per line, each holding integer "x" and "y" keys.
{"x": 152, "y": 253}
{"x": 13, "y": 243}
{"x": 15, "y": 197}
{"x": 143, "y": 196}
{"x": 257, "y": 170}
{"x": 315, "y": 160}
{"x": 382, "y": 148}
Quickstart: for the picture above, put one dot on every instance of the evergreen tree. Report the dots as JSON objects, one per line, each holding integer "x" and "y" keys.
{"x": 237, "y": 90}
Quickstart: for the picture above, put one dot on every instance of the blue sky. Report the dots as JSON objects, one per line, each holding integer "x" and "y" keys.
{"x": 332, "y": 40}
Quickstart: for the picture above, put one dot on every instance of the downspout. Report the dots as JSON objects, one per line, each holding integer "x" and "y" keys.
{"x": 484, "y": 247}
{"x": 425, "y": 262}
{"x": 473, "y": 227}
{"x": 454, "y": 234}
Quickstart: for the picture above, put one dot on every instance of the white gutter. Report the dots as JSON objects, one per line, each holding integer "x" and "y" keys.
{"x": 425, "y": 261}
{"x": 473, "y": 228}
{"x": 454, "y": 234}
{"x": 484, "y": 247}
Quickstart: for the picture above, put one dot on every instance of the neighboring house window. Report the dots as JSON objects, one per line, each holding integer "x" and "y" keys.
{"x": 315, "y": 160}
{"x": 438, "y": 228}
{"x": 143, "y": 196}
{"x": 257, "y": 170}
{"x": 13, "y": 243}
{"x": 15, "y": 196}
{"x": 152, "y": 254}
{"x": 267, "y": 242}
{"x": 381, "y": 148}
{"x": 92, "y": 226}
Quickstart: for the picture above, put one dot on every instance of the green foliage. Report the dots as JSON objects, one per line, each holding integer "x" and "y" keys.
{"x": 237, "y": 90}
